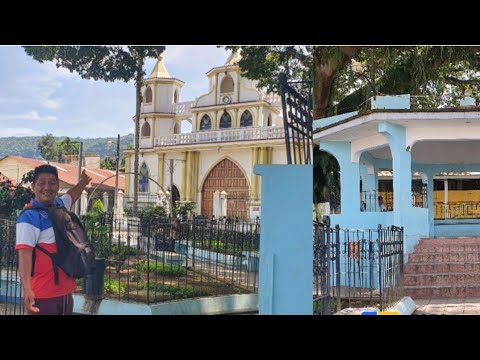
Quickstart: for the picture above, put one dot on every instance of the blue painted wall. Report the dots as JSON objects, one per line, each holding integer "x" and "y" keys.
{"x": 285, "y": 275}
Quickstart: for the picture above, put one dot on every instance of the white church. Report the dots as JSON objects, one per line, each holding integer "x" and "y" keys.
{"x": 234, "y": 126}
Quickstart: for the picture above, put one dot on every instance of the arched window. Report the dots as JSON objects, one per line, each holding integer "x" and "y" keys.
{"x": 246, "y": 119}
{"x": 225, "y": 121}
{"x": 175, "y": 97}
{"x": 206, "y": 123}
{"x": 227, "y": 85}
{"x": 269, "y": 120}
{"x": 143, "y": 179}
{"x": 146, "y": 129}
{"x": 176, "y": 129}
{"x": 148, "y": 95}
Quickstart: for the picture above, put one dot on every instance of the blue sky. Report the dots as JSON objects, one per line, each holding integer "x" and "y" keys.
{"x": 36, "y": 98}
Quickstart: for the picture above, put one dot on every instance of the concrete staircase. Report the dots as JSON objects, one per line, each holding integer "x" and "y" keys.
{"x": 443, "y": 268}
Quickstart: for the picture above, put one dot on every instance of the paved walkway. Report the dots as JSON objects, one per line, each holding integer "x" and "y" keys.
{"x": 461, "y": 306}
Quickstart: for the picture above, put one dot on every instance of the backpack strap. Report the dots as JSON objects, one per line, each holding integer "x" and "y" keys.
{"x": 55, "y": 267}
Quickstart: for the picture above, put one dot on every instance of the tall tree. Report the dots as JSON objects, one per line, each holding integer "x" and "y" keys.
{"x": 108, "y": 63}
{"x": 47, "y": 145}
{"x": 437, "y": 75}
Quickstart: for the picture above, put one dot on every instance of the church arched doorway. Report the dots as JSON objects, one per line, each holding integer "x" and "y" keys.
{"x": 226, "y": 176}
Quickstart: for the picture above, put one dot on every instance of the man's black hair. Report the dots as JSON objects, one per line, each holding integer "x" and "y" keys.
{"x": 44, "y": 169}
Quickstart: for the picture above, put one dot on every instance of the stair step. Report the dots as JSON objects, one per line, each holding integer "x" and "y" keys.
{"x": 453, "y": 291}
{"x": 445, "y": 248}
{"x": 447, "y": 241}
{"x": 442, "y": 279}
{"x": 447, "y": 267}
{"x": 437, "y": 257}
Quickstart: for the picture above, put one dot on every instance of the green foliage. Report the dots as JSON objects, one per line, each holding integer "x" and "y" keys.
{"x": 98, "y": 207}
{"x": 152, "y": 212}
{"x": 184, "y": 210}
{"x": 27, "y": 146}
{"x": 112, "y": 286}
{"x": 161, "y": 268}
{"x": 326, "y": 173}
{"x": 184, "y": 292}
{"x": 108, "y": 163}
{"x": 14, "y": 199}
{"x": 98, "y": 231}
{"x": 48, "y": 148}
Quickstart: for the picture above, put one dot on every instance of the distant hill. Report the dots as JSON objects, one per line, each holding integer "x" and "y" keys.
{"x": 26, "y": 146}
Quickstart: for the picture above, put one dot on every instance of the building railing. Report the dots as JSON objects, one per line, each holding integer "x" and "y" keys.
{"x": 225, "y": 135}
{"x": 356, "y": 268}
{"x": 183, "y": 108}
{"x": 457, "y": 210}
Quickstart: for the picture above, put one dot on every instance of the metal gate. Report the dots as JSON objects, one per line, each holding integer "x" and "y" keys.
{"x": 297, "y": 119}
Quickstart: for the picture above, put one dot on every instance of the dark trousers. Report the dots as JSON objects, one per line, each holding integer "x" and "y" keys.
{"x": 61, "y": 305}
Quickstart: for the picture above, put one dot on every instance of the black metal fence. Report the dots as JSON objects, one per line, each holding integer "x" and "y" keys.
{"x": 297, "y": 119}
{"x": 356, "y": 268}
{"x": 457, "y": 210}
{"x": 153, "y": 260}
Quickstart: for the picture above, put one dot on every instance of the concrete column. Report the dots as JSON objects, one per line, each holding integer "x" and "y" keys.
{"x": 431, "y": 208}
{"x": 285, "y": 274}
{"x": 349, "y": 175}
{"x": 83, "y": 202}
{"x": 402, "y": 170}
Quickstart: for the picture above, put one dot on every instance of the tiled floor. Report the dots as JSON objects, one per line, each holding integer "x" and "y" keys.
{"x": 462, "y": 306}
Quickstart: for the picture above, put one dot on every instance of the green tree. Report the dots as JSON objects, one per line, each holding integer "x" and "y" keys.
{"x": 108, "y": 63}
{"x": 108, "y": 163}
{"x": 47, "y": 145}
{"x": 14, "y": 199}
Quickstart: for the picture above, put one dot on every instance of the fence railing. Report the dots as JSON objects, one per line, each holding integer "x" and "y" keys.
{"x": 458, "y": 210}
{"x": 355, "y": 268}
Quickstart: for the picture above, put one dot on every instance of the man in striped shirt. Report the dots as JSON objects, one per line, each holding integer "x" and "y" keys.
{"x": 34, "y": 228}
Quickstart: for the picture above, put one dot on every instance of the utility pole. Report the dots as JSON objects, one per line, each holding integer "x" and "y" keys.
{"x": 117, "y": 163}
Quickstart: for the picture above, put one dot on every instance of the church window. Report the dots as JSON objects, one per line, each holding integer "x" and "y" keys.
{"x": 143, "y": 179}
{"x": 146, "y": 129}
{"x": 246, "y": 119}
{"x": 206, "y": 123}
{"x": 148, "y": 95}
{"x": 225, "y": 121}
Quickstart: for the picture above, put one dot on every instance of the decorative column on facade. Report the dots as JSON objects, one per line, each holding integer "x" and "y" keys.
{"x": 160, "y": 169}
{"x": 188, "y": 175}
{"x": 183, "y": 183}
{"x": 254, "y": 183}
{"x": 195, "y": 165}
{"x": 349, "y": 175}
{"x": 402, "y": 170}
{"x": 127, "y": 178}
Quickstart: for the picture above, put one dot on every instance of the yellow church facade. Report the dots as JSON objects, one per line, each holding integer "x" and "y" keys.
{"x": 234, "y": 126}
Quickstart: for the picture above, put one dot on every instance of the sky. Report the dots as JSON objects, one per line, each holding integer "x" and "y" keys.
{"x": 38, "y": 98}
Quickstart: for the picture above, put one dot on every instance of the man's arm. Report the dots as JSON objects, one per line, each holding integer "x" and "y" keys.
{"x": 76, "y": 191}
{"x": 25, "y": 270}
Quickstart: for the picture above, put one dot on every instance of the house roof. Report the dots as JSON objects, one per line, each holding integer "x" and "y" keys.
{"x": 69, "y": 173}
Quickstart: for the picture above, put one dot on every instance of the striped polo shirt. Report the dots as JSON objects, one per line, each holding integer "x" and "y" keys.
{"x": 34, "y": 227}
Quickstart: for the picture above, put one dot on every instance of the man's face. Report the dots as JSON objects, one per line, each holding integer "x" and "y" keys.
{"x": 46, "y": 188}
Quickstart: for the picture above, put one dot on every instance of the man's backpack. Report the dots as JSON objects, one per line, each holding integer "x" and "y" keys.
{"x": 75, "y": 254}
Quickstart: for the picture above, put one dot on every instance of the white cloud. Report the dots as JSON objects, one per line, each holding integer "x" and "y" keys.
{"x": 30, "y": 116}
{"x": 18, "y": 131}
